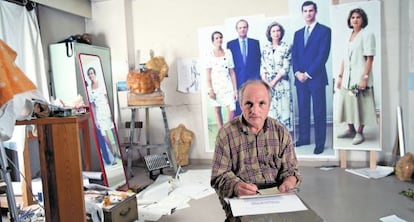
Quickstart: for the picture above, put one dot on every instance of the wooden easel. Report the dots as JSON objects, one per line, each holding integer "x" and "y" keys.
{"x": 372, "y": 153}
{"x": 372, "y": 159}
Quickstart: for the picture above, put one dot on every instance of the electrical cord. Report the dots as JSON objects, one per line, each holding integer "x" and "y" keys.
{"x": 28, "y": 185}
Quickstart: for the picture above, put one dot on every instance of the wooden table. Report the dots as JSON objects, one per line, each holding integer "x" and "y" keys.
{"x": 308, "y": 215}
{"x": 61, "y": 165}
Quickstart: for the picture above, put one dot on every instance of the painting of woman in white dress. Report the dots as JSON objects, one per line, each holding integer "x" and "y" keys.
{"x": 221, "y": 80}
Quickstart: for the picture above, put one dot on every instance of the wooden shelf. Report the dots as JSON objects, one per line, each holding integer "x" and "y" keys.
{"x": 61, "y": 165}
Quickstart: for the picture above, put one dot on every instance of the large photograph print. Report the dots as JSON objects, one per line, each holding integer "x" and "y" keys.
{"x": 357, "y": 68}
{"x": 284, "y": 100}
{"x": 308, "y": 109}
{"x": 216, "y": 71}
{"x": 312, "y": 78}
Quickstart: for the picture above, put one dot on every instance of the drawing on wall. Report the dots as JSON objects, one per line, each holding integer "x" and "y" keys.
{"x": 106, "y": 136}
{"x": 357, "y": 65}
{"x": 188, "y": 76}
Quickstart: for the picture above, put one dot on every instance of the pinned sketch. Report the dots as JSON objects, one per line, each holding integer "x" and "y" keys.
{"x": 188, "y": 75}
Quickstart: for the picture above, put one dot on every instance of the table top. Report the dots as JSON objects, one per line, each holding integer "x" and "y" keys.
{"x": 54, "y": 120}
{"x": 308, "y": 215}
{"x": 145, "y": 106}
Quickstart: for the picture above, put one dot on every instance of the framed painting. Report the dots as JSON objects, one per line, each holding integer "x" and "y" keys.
{"x": 105, "y": 132}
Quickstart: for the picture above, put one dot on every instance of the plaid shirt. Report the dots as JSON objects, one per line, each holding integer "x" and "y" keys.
{"x": 263, "y": 158}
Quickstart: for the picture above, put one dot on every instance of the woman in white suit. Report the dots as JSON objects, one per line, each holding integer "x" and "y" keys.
{"x": 356, "y": 105}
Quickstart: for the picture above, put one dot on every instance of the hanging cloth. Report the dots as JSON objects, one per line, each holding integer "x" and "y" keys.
{"x": 12, "y": 79}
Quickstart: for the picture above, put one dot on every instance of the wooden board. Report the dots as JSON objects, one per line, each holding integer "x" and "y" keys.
{"x": 155, "y": 98}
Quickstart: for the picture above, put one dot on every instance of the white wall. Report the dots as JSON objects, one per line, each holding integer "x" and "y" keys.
{"x": 77, "y": 7}
{"x": 407, "y": 66}
{"x": 171, "y": 27}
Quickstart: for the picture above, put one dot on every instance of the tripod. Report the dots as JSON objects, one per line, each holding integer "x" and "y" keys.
{"x": 5, "y": 173}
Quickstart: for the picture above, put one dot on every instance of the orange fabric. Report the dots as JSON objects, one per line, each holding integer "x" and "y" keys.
{"x": 12, "y": 80}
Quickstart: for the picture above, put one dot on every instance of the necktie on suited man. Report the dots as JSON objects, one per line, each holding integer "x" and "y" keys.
{"x": 244, "y": 50}
{"x": 307, "y": 34}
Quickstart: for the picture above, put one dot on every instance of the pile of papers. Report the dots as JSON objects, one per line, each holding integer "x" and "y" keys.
{"x": 168, "y": 194}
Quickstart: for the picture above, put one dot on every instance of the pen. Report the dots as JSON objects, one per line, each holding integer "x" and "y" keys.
{"x": 293, "y": 190}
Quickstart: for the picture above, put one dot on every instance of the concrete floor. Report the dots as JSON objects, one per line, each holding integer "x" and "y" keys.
{"x": 335, "y": 195}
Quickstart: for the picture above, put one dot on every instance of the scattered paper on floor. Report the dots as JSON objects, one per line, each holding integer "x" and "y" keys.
{"x": 378, "y": 172}
{"x": 167, "y": 195}
{"x": 392, "y": 218}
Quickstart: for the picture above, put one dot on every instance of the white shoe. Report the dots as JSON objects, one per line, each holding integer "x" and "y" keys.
{"x": 346, "y": 134}
{"x": 359, "y": 138}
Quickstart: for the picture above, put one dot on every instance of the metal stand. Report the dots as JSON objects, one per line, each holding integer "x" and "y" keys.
{"x": 5, "y": 173}
{"x": 148, "y": 144}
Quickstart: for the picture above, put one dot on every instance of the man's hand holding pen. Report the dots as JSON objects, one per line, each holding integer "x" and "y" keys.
{"x": 244, "y": 189}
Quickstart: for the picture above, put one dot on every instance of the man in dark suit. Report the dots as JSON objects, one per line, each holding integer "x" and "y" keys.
{"x": 246, "y": 56}
{"x": 310, "y": 51}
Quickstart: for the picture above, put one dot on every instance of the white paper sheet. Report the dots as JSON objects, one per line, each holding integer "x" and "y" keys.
{"x": 36, "y": 187}
{"x": 392, "y": 218}
{"x": 92, "y": 175}
{"x": 156, "y": 191}
{"x": 378, "y": 172}
{"x": 266, "y": 205}
{"x": 194, "y": 183}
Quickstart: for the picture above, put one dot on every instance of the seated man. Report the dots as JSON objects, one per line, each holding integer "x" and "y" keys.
{"x": 253, "y": 151}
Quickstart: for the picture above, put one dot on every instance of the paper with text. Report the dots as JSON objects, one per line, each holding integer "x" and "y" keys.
{"x": 266, "y": 205}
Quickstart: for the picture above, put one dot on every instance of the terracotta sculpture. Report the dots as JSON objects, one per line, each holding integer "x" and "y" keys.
{"x": 181, "y": 140}
{"x": 143, "y": 82}
{"x": 148, "y": 80}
